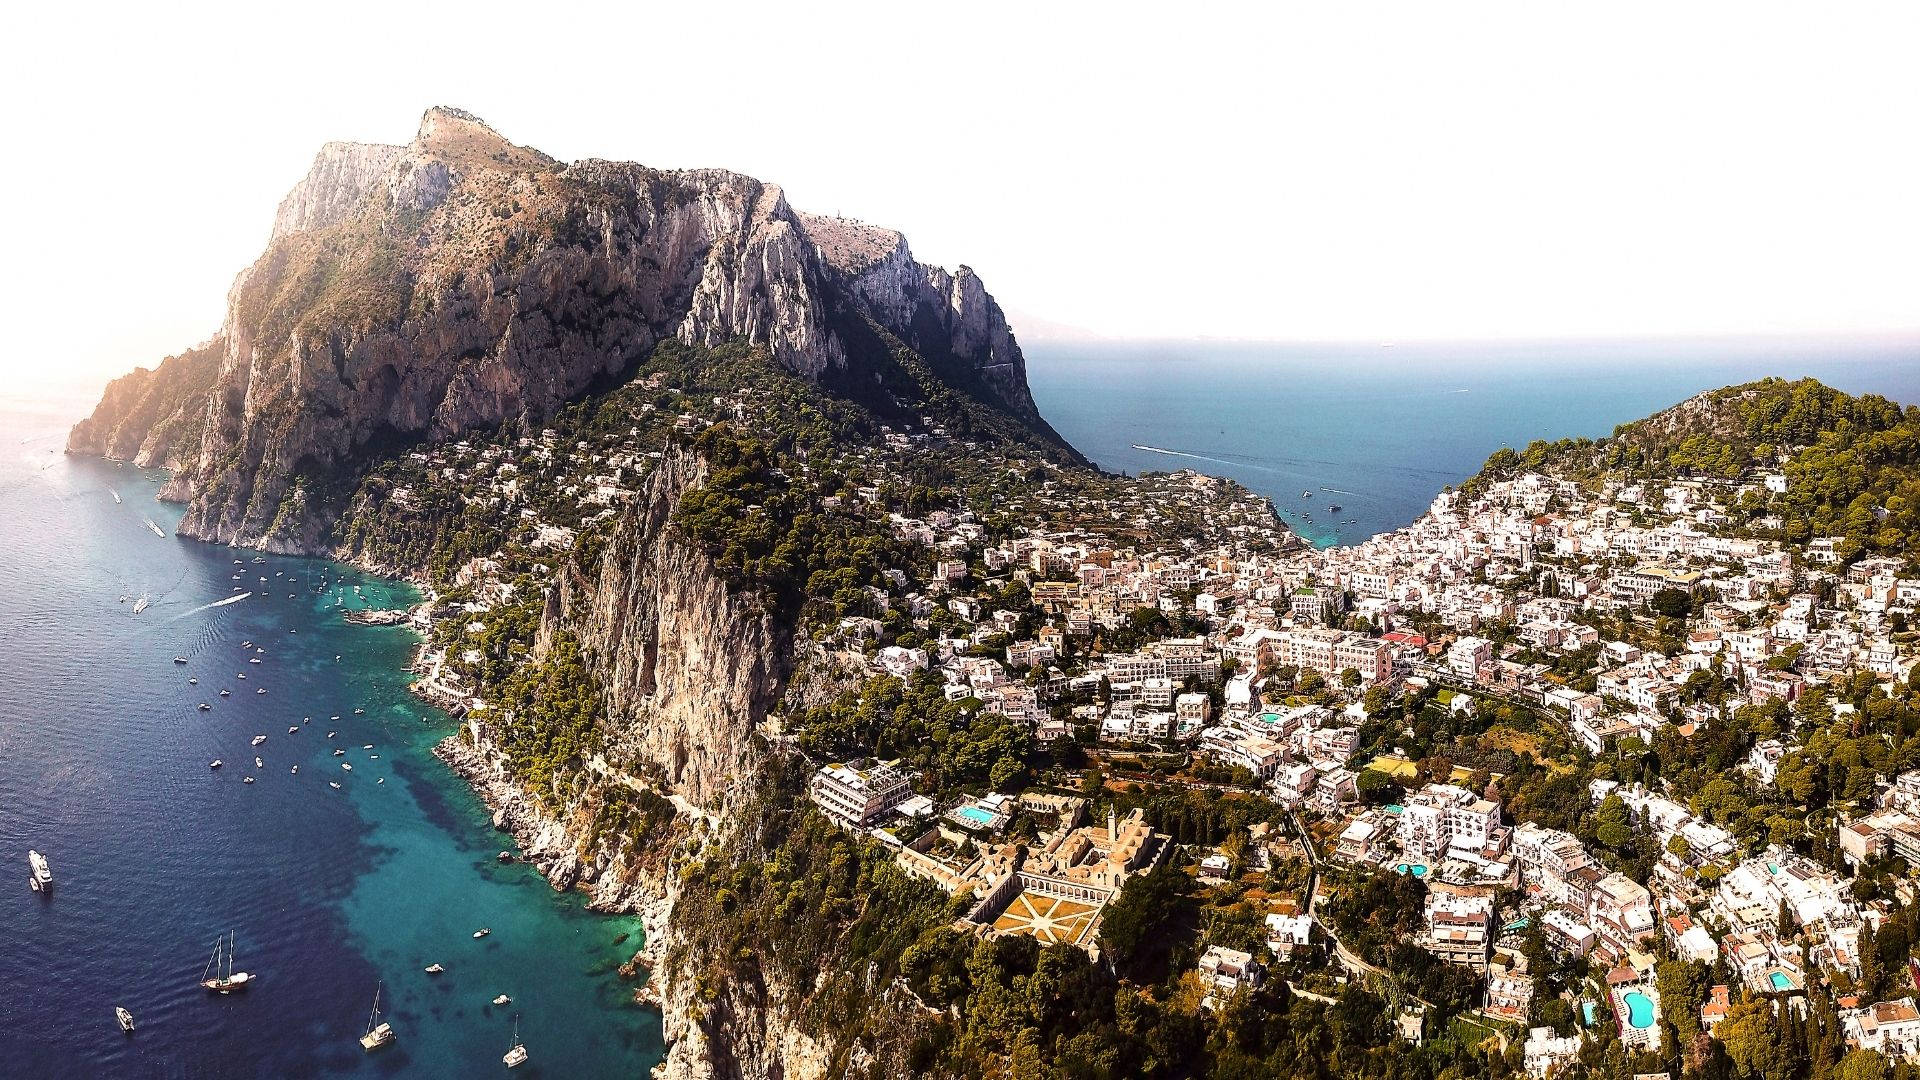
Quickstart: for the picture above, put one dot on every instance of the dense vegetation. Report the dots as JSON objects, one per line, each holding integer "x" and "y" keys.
{"x": 1852, "y": 464}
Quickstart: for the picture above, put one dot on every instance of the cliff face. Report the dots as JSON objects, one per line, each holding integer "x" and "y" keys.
{"x": 153, "y": 417}
{"x": 409, "y": 293}
{"x": 689, "y": 666}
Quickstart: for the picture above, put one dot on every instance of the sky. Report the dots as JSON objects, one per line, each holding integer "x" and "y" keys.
{"x": 1277, "y": 171}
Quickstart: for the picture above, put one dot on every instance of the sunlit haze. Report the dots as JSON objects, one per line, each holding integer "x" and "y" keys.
{"x": 1322, "y": 171}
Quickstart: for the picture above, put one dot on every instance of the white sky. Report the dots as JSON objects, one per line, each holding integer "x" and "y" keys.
{"x": 1282, "y": 171}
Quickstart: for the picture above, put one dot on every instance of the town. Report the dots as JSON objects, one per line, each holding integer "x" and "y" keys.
{"x": 1583, "y": 720}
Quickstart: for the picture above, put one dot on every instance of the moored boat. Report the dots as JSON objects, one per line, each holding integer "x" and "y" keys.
{"x": 40, "y": 874}
{"x": 378, "y": 1034}
{"x": 219, "y": 977}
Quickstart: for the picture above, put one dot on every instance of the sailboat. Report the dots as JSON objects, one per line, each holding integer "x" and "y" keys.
{"x": 378, "y": 1034}
{"x": 219, "y": 979}
{"x": 516, "y": 1054}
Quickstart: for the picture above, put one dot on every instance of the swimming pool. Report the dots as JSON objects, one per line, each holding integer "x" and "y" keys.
{"x": 1779, "y": 980}
{"x": 1639, "y": 1010}
{"x": 975, "y": 815}
{"x": 1416, "y": 869}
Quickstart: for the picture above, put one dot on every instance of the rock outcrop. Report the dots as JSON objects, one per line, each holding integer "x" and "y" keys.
{"x": 689, "y": 665}
{"x": 409, "y": 293}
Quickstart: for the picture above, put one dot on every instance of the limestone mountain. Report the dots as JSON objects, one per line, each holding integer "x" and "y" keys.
{"x": 409, "y": 293}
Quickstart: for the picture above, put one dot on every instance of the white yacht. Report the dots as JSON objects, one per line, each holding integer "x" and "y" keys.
{"x": 516, "y": 1054}
{"x": 42, "y": 874}
{"x": 378, "y": 1034}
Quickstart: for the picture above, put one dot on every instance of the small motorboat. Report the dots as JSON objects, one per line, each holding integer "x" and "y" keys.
{"x": 248, "y": 780}
{"x": 258, "y": 764}
{"x": 293, "y": 730}
{"x": 434, "y": 969}
{"x": 333, "y": 785}
{"x": 193, "y": 682}
{"x": 359, "y": 712}
{"x": 179, "y": 659}
{"x": 366, "y": 746}
{"x": 505, "y": 856}
{"x": 262, "y": 690}
{"x": 295, "y": 770}
{"x": 204, "y": 707}
{"x": 483, "y": 932}
{"x": 347, "y": 766}
{"x": 240, "y": 675}
{"x": 216, "y": 763}
{"x": 226, "y": 693}
{"x": 125, "y": 1018}
{"x": 258, "y": 739}
{"x": 253, "y": 660}
{"x": 503, "y": 1000}
{"x": 338, "y": 753}
{"x": 381, "y": 780}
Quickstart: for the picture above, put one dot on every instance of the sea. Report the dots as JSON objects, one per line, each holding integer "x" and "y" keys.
{"x": 330, "y": 893}
{"x": 333, "y": 893}
{"x": 1378, "y": 429}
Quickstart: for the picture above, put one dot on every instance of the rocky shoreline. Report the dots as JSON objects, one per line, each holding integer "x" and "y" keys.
{"x": 545, "y": 841}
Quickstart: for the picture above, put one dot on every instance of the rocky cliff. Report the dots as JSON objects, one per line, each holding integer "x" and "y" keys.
{"x": 689, "y": 665}
{"x": 411, "y": 292}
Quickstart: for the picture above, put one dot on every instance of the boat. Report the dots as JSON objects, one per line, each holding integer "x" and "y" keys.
{"x": 505, "y": 856}
{"x": 226, "y": 693}
{"x": 1335, "y": 507}
{"x": 1306, "y": 494}
{"x": 378, "y": 1034}
{"x": 366, "y": 746}
{"x": 246, "y": 644}
{"x": 223, "y": 979}
{"x": 193, "y": 682}
{"x": 434, "y": 969}
{"x": 261, "y": 690}
{"x": 204, "y": 707}
{"x": 295, "y": 770}
{"x": 41, "y": 876}
{"x": 359, "y": 712}
{"x": 239, "y": 674}
{"x": 248, "y": 780}
{"x": 293, "y": 730}
{"x": 516, "y": 1054}
{"x": 140, "y": 605}
{"x": 258, "y": 739}
{"x": 116, "y": 498}
{"x": 157, "y": 530}
{"x": 333, "y": 785}
{"x": 503, "y": 1000}
{"x": 179, "y": 659}
{"x": 381, "y": 780}
{"x": 483, "y": 931}
{"x": 258, "y": 764}
{"x": 338, "y": 753}
{"x": 119, "y": 1013}
{"x": 253, "y": 659}
{"x": 347, "y": 766}
{"x": 216, "y": 763}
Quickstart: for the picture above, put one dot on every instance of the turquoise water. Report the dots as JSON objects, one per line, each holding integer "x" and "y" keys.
{"x": 976, "y": 815}
{"x": 1380, "y": 431}
{"x": 1639, "y": 1010}
{"x": 1418, "y": 870}
{"x": 104, "y": 767}
{"x": 1779, "y": 981}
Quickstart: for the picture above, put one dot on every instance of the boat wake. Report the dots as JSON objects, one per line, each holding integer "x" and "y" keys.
{"x": 1197, "y": 457}
{"x": 234, "y": 599}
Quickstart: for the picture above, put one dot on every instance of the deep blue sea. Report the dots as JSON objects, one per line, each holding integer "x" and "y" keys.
{"x": 1379, "y": 430}
{"x": 104, "y": 768}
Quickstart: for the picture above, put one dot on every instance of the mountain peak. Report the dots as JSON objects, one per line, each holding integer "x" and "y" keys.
{"x": 458, "y": 137}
